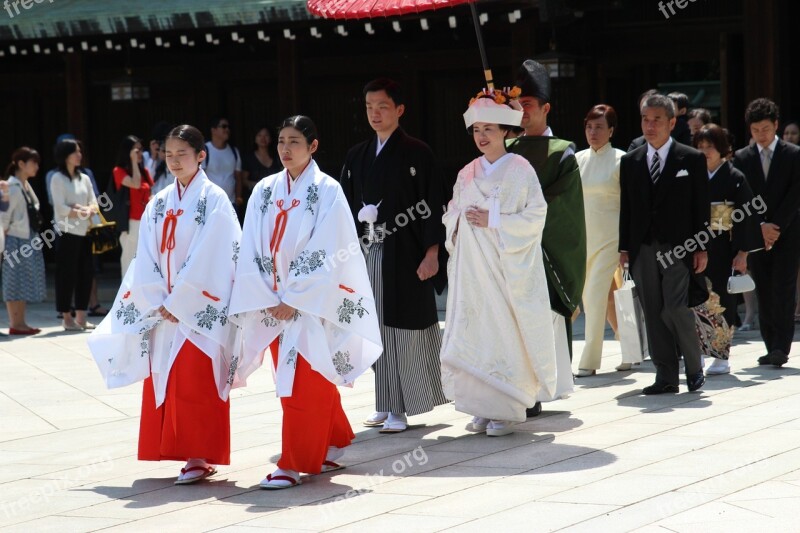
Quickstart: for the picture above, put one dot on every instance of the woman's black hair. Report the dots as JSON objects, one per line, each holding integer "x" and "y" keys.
{"x": 303, "y": 124}
{"x": 21, "y": 155}
{"x": 62, "y": 151}
{"x": 190, "y": 135}
{"x": 271, "y": 148}
{"x": 124, "y": 154}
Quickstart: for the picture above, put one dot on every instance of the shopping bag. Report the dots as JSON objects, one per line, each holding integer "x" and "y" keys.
{"x": 630, "y": 321}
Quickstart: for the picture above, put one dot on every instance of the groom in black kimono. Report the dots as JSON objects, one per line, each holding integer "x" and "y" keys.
{"x": 394, "y": 174}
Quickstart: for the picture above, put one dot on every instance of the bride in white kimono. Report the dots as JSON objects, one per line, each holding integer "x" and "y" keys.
{"x": 302, "y": 292}
{"x": 169, "y": 324}
{"x": 498, "y": 351}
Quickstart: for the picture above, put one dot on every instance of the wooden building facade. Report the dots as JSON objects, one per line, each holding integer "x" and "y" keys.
{"x": 256, "y": 65}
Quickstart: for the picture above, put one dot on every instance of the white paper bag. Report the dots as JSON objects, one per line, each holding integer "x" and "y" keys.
{"x": 630, "y": 322}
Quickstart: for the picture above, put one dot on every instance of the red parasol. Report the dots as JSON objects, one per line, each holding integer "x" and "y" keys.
{"x": 361, "y": 9}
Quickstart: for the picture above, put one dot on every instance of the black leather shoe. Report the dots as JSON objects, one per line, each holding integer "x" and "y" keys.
{"x": 536, "y": 410}
{"x": 765, "y": 360}
{"x": 660, "y": 387}
{"x": 694, "y": 382}
{"x": 777, "y": 358}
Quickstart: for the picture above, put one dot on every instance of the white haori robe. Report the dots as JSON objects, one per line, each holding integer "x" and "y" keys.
{"x": 185, "y": 260}
{"x": 498, "y": 351}
{"x": 318, "y": 269}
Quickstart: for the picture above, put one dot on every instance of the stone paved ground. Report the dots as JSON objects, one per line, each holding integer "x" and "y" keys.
{"x": 606, "y": 459}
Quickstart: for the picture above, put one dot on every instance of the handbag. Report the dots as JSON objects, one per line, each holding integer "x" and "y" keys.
{"x": 630, "y": 321}
{"x": 34, "y": 216}
{"x": 103, "y": 235}
{"x": 741, "y": 283}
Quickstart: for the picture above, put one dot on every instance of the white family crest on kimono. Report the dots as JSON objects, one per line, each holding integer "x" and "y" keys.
{"x": 498, "y": 351}
{"x": 178, "y": 264}
{"x": 291, "y": 252}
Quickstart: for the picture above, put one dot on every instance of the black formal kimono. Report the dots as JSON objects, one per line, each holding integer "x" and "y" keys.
{"x": 402, "y": 181}
{"x": 728, "y": 185}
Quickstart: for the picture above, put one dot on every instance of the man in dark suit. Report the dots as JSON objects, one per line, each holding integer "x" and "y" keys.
{"x": 772, "y": 168}
{"x": 663, "y": 218}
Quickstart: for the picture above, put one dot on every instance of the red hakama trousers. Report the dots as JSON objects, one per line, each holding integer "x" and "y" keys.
{"x": 313, "y": 419}
{"x": 193, "y": 422}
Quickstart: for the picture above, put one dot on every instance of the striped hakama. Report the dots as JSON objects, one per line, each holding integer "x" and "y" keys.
{"x": 408, "y": 377}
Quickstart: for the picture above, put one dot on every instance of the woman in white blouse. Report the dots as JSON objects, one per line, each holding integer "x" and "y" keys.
{"x": 599, "y": 166}
{"x": 23, "y": 271}
{"x": 74, "y": 203}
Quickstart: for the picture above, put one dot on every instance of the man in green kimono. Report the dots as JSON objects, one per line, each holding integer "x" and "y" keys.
{"x": 564, "y": 238}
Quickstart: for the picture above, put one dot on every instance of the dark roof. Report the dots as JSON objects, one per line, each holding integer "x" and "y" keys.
{"x": 77, "y": 18}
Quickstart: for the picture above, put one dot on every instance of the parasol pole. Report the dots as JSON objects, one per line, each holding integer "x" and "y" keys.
{"x": 487, "y": 72}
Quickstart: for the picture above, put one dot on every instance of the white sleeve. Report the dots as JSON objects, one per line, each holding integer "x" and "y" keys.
{"x": 61, "y": 209}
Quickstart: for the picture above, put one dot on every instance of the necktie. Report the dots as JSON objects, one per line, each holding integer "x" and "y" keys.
{"x": 655, "y": 168}
{"x": 766, "y": 159}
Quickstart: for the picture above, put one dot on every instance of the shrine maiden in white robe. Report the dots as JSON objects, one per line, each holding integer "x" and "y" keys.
{"x": 185, "y": 261}
{"x": 300, "y": 247}
{"x": 498, "y": 351}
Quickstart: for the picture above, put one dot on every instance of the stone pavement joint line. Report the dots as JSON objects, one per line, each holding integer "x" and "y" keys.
{"x": 605, "y": 459}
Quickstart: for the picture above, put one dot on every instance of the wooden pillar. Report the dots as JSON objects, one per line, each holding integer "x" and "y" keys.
{"x": 288, "y": 77}
{"x": 761, "y": 29}
{"x": 75, "y": 78}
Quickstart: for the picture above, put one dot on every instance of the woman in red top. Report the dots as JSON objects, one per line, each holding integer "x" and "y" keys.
{"x": 130, "y": 172}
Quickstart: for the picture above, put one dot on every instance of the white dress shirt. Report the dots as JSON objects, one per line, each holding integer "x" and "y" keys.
{"x": 662, "y": 154}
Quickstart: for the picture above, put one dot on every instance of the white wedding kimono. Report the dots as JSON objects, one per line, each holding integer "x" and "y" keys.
{"x": 185, "y": 261}
{"x": 498, "y": 351}
{"x": 301, "y": 248}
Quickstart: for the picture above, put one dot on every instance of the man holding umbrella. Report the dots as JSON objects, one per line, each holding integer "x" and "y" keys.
{"x": 564, "y": 237}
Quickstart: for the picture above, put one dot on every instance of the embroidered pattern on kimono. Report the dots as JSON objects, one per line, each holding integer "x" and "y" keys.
{"x": 307, "y": 262}
{"x": 341, "y": 360}
{"x": 266, "y": 199}
{"x": 159, "y": 209}
{"x": 128, "y": 313}
{"x": 200, "y": 213}
{"x": 312, "y": 198}
{"x": 349, "y": 308}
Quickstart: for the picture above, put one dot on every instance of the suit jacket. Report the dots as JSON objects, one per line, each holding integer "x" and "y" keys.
{"x": 673, "y": 211}
{"x": 780, "y": 190}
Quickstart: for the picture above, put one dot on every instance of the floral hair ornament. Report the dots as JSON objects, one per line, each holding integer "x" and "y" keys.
{"x": 495, "y": 107}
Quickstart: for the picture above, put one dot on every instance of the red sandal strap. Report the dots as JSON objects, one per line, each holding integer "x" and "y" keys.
{"x": 291, "y": 480}
{"x": 196, "y": 468}
{"x": 331, "y": 464}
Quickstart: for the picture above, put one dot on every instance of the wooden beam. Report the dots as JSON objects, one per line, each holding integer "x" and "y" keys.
{"x": 75, "y": 77}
